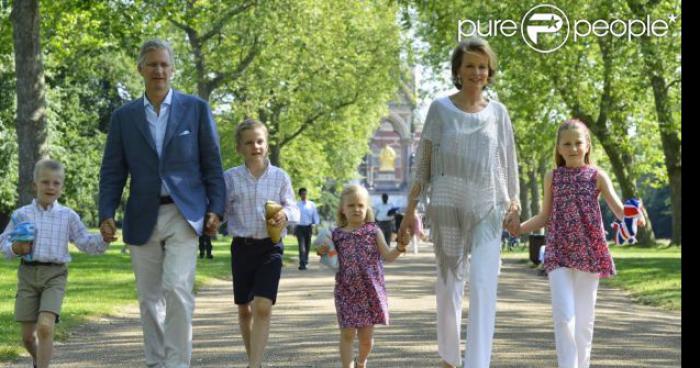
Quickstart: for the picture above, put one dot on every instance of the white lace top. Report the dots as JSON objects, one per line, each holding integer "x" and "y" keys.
{"x": 467, "y": 168}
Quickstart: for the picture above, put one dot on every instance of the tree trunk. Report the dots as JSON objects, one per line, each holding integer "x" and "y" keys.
{"x": 204, "y": 88}
{"x": 524, "y": 198}
{"x": 274, "y": 155}
{"x": 534, "y": 191}
{"x": 670, "y": 137}
{"x": 534, "y": 188}
{"x": 31, "y": 100}
{"x": 672, "y": 152}
{"x": 676, "y": 206}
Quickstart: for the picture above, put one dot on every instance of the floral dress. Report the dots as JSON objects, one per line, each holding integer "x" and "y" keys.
{"x": 360, "y": 294}
{"x": 575, "y": 233}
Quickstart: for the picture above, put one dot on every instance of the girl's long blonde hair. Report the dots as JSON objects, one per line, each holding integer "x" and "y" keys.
{"x": 568, "y": 125}
{"x": 361, "y": 192}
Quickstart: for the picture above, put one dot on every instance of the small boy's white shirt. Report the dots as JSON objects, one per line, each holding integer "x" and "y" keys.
{"x": 56, "y": 226}
{"x": 246, "y": 196}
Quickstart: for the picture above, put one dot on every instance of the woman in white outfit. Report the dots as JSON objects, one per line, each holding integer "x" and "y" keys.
{"x": 467, "y": 167}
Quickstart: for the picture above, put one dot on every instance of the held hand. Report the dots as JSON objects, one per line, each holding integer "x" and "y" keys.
{"x": 406, "y": 229}
{"x": 21, "y": 248}
{"x": 108, "y": 229}
{"x": 642, "y": 222}
{"x": 515, "y": 229}
{"x": 279, "y": 220}
{"x": 212, "y": 224}
{"x": 511, "y": 221}
{"x": 401, "y": 247}
{"x": 323, "y": 249}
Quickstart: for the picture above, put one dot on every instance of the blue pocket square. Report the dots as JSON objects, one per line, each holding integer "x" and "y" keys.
{"x": 185, "y": 132}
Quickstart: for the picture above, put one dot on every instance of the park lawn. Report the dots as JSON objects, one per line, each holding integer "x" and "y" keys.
{"x": 100, "y": 286}
{"x": 651, "y": 275}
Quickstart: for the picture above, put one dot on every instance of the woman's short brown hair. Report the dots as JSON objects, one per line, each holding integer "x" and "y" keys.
{"x": 476, "y": 45}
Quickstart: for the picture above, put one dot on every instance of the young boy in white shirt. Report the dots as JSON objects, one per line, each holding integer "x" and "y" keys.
{"x": 42, "y": 277}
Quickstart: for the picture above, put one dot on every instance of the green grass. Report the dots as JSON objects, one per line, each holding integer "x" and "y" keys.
{"x": 517, "y": 252}
{"x": 651, "y": 275}
{"x": 101, "y": 285}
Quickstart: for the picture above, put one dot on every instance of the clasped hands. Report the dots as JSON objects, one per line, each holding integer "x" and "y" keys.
{"x": 406, "y": 230}
{"x": 511, "y": 221}
{"x": 108, "y": 228}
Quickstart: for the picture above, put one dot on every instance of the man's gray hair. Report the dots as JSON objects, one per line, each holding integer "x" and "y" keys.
{"x": 155, "y": 44}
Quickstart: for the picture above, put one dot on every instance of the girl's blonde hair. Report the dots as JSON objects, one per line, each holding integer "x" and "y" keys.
{"x": 359, "y": 191}
{"x": 249, "y": 124}
{"x": 569, "y": 125}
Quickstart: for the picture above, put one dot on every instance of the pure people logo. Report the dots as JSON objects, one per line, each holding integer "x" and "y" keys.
{"x": 545, "y": 28}
{"x": 547, "y": 23}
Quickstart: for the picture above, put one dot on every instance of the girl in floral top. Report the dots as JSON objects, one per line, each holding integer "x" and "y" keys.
{"x": 577, "y": 253}
{"x": 360, "y": 294}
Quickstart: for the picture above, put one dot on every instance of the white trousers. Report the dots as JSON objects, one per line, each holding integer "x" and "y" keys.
{"x": 573, "y": 311}
{"x": 482, "y": 269}
{"x": 165, "y": 270}
{"x": 414, "y": 243}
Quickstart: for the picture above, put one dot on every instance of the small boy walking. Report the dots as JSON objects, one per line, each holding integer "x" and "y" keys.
{"x": 43, "y": 266}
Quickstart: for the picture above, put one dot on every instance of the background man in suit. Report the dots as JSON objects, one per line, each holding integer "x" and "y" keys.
{"x": 167, "y": 142}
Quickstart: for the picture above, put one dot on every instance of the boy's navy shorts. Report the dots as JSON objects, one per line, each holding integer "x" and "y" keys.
{"x": 256, "y": 266}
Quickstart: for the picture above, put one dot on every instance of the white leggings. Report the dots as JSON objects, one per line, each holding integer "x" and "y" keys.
{"x": 483, "y": 281}
{"x": 573, "y": 311}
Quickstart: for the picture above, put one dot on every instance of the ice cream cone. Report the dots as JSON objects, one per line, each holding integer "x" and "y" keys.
{"x": 275, "y": 232}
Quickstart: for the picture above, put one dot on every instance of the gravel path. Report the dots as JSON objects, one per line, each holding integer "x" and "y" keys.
{"x": 304, "y": 329}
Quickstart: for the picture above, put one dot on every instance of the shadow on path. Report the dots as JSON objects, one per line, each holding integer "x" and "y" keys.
{"x": 304, "y": 328}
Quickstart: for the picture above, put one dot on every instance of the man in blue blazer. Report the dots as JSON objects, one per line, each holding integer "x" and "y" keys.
{"x": 167, "y": 143}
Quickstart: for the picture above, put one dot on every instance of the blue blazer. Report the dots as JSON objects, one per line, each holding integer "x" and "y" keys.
{"x": 190, "y": 166}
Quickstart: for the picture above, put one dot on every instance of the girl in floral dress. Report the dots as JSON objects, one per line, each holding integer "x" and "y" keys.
{"x": 360, "y": 294}
{"x": 577, "y": 253}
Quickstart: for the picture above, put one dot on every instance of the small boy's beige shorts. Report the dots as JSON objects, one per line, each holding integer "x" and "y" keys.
{"x": 40, "y": 288}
